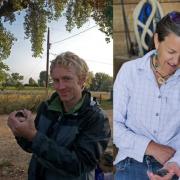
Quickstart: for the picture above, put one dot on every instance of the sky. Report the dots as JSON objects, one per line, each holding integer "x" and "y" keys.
{"x": 87, "y": 42}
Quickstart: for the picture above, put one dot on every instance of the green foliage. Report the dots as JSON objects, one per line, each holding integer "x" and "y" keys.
{"x": 6, "y": 42}
{"x": 14, "y": 80}
{"x": 101, "y": 82}
{"x": 39, "y": 12}
{"x": 77, "y": 13}
{"x": 103, "y": 15}
{"x": 3, "y": 74}
{"x": 55, "y": 8}
{"x": 16, "y": 76}
{"x": 35, "y": 27}
{"x": 3, "y": 66}
{"x": 32, "y": 82}
{"x": 42, "y": 79}
{"x": 89, "y": 79}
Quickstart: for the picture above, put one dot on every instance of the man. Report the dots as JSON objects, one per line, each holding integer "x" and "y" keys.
{"x": 70, "y": 132}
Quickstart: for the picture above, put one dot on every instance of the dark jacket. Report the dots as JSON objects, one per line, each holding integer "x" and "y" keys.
{"x": 67, "y": 146}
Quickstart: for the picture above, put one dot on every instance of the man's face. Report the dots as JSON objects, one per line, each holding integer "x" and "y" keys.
{"x": 67, "y": 84}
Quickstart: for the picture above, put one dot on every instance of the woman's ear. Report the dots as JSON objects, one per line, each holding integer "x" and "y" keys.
{"x": 156, "y": 41}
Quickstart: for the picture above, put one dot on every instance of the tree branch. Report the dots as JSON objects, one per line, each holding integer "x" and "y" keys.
{"x": 8, "y": 7}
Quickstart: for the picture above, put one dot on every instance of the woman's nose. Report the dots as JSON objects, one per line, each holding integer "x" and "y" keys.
{"x": 176, "y": 61}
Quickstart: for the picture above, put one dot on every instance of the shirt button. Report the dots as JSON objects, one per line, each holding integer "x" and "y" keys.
{"x": 154, "y": 131}
{"x": 157, "y": 114}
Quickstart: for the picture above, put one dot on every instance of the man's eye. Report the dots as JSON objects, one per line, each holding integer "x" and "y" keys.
{"x": 66, "y": 78}
{"x": 55, "y": 80}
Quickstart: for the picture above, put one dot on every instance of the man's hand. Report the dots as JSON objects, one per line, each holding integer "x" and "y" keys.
{"x": 173, "y": 169}
{"x": 22, "y": 126}
{"x": 161, "y": 153}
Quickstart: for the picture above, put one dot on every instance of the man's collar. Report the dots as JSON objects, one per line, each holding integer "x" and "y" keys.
{"x": 57, "y": 105}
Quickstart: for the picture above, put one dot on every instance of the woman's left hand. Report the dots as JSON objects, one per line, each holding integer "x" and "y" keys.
{"x": 173, "y": 169}
{"x": 156, "y": 177}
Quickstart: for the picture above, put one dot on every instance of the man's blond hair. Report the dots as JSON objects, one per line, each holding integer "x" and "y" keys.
{"x": 69, "y": 59}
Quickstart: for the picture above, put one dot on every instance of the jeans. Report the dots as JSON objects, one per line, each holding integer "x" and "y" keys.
{"x": 130, "y": 169}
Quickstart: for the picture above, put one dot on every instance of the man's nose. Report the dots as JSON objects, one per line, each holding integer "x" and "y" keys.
{"x": 61, "y": 85}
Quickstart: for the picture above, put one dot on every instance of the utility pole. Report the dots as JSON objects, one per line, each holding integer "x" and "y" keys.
{"x": 47, "y": 62}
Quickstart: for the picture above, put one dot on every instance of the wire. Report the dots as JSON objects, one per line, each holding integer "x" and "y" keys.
{"x": 74, "y": 35}
{"x": 99, "y": 62}
{"x": 87, "y": 60}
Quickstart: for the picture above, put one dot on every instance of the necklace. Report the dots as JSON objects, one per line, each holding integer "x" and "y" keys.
{"x": 160, "y": 79}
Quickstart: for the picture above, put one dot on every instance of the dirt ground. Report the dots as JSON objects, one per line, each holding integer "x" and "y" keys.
{"x": 13, "y": 160}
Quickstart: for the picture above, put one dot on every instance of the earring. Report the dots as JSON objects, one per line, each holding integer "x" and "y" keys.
{"x": 156, "y": 52}
{"x": 156, "y": 58}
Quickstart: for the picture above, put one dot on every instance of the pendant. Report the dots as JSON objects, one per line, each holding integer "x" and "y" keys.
{"x": 161, "y": 80}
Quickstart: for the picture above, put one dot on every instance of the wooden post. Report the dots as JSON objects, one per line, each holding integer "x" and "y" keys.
{"x": 47, "y": 62}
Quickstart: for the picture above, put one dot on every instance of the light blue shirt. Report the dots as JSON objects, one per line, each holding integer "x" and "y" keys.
{"x": 143, "y": 112}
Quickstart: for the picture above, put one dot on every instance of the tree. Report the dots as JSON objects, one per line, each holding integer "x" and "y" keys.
{"x": 38, "y": 13}
{"x": 89, "y": 79}
{"x": 14, "y": 79}
{"x": 101, "y": 82}
{"x": 32, "y": 82}
{"x": 3, "y": 74}
{"x": 42, "y": 79}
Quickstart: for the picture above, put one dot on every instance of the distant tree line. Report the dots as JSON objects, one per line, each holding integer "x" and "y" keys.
{"x": 13, "y": 79}
{"x": 95, "y": 82}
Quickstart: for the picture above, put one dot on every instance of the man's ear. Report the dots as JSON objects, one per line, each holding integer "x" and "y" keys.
{"x": 82, "y": 81}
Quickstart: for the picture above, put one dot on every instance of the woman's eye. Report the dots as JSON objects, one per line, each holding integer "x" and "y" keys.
{"x": 171, "y": 52}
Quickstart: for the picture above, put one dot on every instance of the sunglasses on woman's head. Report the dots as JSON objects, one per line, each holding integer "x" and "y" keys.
{"x": 175, "y": 17}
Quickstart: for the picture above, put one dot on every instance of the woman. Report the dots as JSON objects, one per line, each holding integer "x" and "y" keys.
{"x": 146, "y": 108}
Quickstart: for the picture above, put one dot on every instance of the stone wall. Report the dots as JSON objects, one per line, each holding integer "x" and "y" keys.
{"x": 119, "y": 36}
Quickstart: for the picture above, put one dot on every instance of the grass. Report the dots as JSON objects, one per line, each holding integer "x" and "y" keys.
{"x": 106, "y": 104}
{"x": 11, "y": 100}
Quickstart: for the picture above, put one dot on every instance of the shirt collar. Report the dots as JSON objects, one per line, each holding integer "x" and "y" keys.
{"x": 145, "y": 61}
{"x": 57, "y": 105}
{"x": 145, "y": 64}
{"x": 177, "y": 73}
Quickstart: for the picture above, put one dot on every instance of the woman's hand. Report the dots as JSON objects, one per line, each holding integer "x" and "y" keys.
{"x": 156, "y": 177}
{"x": 171, "y": 167}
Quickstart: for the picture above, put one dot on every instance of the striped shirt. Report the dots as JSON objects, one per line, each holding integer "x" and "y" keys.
{"x": 143, "y": 112}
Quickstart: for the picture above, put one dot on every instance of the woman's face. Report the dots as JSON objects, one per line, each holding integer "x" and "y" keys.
{"x": 168, "y": 53}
